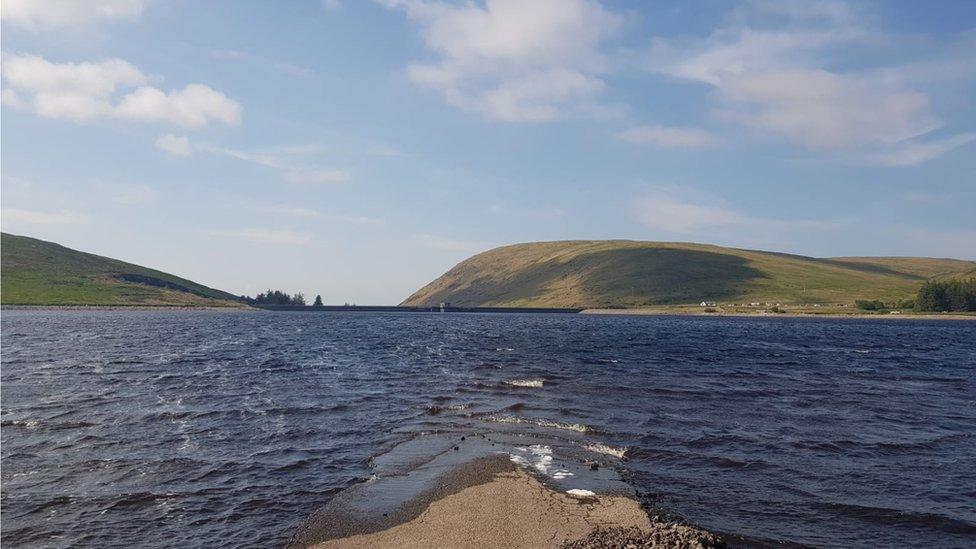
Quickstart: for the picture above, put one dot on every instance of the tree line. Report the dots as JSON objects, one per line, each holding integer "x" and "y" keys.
{"x": 934, "y": 296}
{"x": 949, "y": 295}
{"x": 278, "y": 297}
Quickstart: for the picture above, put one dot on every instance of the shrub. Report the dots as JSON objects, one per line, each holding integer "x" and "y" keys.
{"x": 867, "y": 305}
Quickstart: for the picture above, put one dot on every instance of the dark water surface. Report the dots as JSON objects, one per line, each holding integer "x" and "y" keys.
{"x": 184, "y": 429}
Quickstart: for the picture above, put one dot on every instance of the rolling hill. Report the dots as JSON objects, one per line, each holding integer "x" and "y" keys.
{"x": 36, "y": 272}
{"x": 623, "y": 273}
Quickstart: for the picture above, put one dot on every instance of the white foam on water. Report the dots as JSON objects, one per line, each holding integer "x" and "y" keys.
{"x": 608, "y": 450}
{"x": 525, "y": 382}
{"x": 538, "y": 457}
{"x": 580, "y": 493}
{"x": 578, "y": 427}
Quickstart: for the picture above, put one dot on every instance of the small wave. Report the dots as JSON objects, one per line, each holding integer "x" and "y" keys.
{"x": 901, "y": 517}
{"x": 538, "y": 457}
{"x": 30, "y": 424}
{"x": 600, "y": 361}
{"x": 580, "y": 493}
{"x": 434, "y": 409}
{"x": 578, "y": 427}
{"x": 608, "y": 450}
{"x": 525, "y": 382}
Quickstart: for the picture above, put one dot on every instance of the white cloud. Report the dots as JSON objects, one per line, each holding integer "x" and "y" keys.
{"x": 669, "y": 137}
{"x": 316, "y": 176}
{"x": 821, "y": 109}
{"x": 18, "y": 216}
{"x": 769, "y": 69}
{"x": 12, "y": 99}
{"x": 85, "y": 91}
{"x": 176, "y": 145}
{"x": 192, "y": 107}
{"x": 74, "y": 91}
{"x": 265, "y": 236}
{"x": 661, "y": 211}
{"x": 511, "y": 60}
{"x": 915, "y": 153}
{"x": 686, "y": 211}
{"x": 53, "y": 14}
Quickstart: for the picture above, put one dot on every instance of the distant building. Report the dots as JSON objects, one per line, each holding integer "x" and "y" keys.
{"x": 707, "y": 304}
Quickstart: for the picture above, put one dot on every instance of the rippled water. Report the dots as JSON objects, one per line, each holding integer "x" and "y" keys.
{"x": 176, "y": 429}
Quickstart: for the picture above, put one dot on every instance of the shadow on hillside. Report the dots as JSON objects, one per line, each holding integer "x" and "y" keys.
{"x": 612, "y": 278}
{"x": 657, "y": 276}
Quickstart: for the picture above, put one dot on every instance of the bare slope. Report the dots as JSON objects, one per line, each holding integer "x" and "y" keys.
{"x": 36, "y": 272}
{"x": 623, "y": 273}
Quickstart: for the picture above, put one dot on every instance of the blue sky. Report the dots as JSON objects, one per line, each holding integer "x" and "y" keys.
{"x": 359, "y": 149}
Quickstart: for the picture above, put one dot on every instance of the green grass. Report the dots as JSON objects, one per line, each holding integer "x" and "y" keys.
{"x": 620, "y": 273}
{"x": 35, "y": 272}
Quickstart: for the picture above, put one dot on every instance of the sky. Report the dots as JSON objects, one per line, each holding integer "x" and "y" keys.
{"x": 359, "y": 149}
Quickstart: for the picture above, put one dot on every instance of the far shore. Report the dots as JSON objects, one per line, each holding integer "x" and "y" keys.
{"x": 642, "y": 311}
{"x": 242, "y": 308}
{"x": 785, "y": 314}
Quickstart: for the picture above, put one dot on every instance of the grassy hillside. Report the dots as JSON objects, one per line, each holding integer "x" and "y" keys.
{"x": 35, "y": 272}
{"x": 622, "y": 273}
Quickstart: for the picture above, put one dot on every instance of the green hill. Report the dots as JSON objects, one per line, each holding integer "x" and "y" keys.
{"x": 35, "y": 272}
{"x": 623, "y": 273}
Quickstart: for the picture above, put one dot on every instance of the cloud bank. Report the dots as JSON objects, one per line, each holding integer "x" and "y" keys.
{"x": 87, "y": 91}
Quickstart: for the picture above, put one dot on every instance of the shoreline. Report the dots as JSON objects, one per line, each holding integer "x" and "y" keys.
{"x": 490, "y": 502}
{"x": 787, "y": 314}
{"x": 124, "y": 308}
{"x": 650, "y": 311}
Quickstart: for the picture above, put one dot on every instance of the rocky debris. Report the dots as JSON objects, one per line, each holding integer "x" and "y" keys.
{"x": 660, "y": 536}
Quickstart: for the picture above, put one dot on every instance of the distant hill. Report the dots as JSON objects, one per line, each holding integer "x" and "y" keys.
{"x": 623, "y": 273}
{"x": 35, "y": 272}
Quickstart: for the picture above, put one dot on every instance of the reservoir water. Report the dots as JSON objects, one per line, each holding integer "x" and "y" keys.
{"x": 228, "y": 429}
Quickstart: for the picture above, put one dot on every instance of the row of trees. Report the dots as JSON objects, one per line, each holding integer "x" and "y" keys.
{"x": 950, "y": 295}
{"x": 945, "y": 296}
{"x": 277, "y": 297}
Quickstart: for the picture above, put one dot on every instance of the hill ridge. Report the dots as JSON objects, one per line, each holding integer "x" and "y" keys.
{"x": 634, "y": 273}
{"x": 39, "y": 272}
